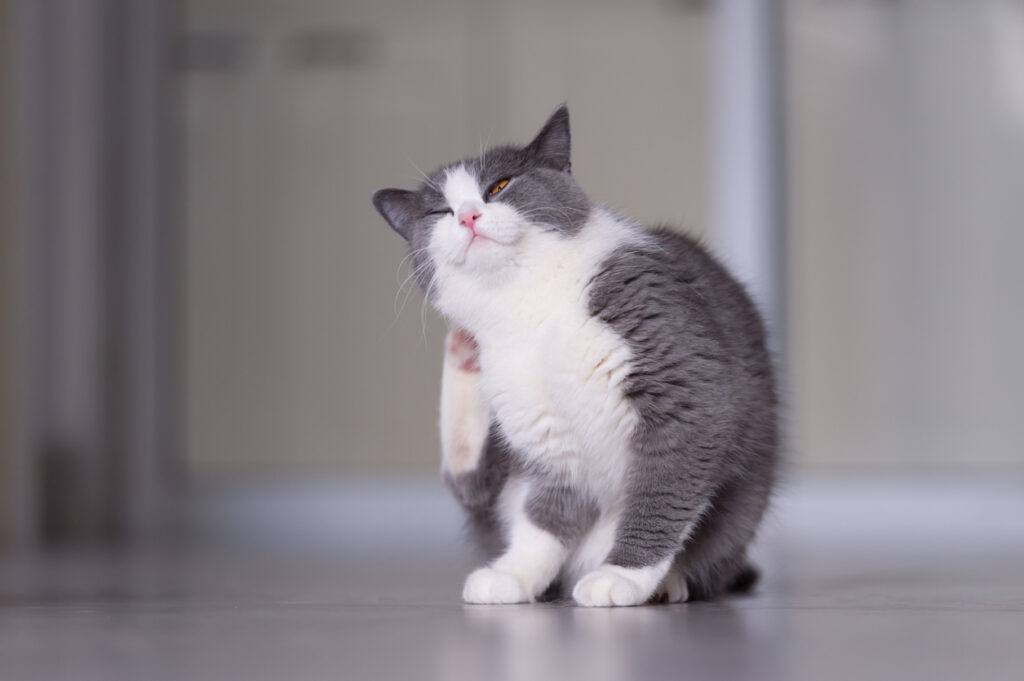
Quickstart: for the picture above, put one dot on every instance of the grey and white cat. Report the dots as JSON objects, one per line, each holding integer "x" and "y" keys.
{"x": 608, "y": 408}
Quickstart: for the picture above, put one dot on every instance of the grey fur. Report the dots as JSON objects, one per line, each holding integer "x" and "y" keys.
{"x": 552, "y": 506}
{"x": 412, "y": 215}
{"x": 477, "y": 491}
{"x": 701, "y": 381}
{"x": 560, "y": 509}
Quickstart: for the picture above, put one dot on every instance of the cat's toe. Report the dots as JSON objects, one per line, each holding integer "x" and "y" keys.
{"x": 463, "y": 349}
{"x": 489, "y": 586}
{"x": 608, "y": 586}
{"x": 673, "y": 588}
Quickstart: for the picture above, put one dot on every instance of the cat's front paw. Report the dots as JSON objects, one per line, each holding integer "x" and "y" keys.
{"x": 489, "y": 586}
{"x": 610, "y": 585}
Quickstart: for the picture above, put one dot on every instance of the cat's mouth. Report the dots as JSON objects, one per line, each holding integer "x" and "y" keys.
{"x": 477, "y": 242}
{"x": 477, "y": 248}
{"x": 478, "y": 238}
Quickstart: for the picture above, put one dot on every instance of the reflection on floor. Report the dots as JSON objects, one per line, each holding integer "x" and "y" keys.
{"x": 864, "y": 579}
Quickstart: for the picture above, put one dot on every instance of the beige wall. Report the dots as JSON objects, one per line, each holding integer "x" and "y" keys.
{"x": 907, "y": 160}
{"x": 296, "y": 358}
{"x": 904, "y": 139}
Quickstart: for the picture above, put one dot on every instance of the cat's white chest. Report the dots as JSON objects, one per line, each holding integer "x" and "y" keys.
{"x": 553, "y": 377}
{"x": 556, "y": 391}
{"x": 551, "y": 374}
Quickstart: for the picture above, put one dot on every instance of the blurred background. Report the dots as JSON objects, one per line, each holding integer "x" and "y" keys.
{"x": 198, "y": 298}
{"x": 209, "y": 363}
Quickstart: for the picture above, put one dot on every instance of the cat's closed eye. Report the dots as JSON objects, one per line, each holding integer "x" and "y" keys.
{"x": 498, "y": 186}
{"x": 442, "y": 211}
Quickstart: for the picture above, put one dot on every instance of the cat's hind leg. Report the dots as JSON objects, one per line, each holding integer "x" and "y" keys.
{"x": 475, "y": 463}
{"x": 673, "y": 587}
{"x": 714, "y": 559}
{"x": 465, "y": 418}
{"x": 665, "y": 501}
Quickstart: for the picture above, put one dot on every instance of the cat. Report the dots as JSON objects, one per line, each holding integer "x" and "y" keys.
{"x": 609, "y": 417}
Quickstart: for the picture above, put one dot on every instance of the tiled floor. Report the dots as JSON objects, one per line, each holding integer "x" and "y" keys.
{"x": 865, "y": 579}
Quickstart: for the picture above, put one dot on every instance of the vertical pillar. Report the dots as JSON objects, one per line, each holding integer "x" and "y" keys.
{"x": 747, "y": 153}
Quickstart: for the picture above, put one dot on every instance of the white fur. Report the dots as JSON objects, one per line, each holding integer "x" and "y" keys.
{"x": 499, "y": 224}
{"x": 594, "y": 548}
{"x": 530, "y": 564}
{"x": 613, "y": 585}
{"x": 465, "y": 418}
{"x": 673, "y": 587}
{"x": 550, "y": 373}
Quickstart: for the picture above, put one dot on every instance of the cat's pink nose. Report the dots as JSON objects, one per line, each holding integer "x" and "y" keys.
{"x": 468, "y": 215}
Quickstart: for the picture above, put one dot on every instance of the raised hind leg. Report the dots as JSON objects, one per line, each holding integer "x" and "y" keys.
{"x": 474, "y": 462}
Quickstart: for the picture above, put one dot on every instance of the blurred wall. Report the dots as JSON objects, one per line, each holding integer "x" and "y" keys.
{"x": 16, "y": 493}
{"x": 7, "y": 358}
{"x": 904, "y": 145}
{"x": 293, "y": 350}
{"x": 907, "y": 164}
{"x": 85, "y": 250}
{"x": 300, "y": 355}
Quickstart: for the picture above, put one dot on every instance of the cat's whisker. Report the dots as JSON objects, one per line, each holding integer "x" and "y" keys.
{"x": 487, "y": 142}
{"x": 564, "y": 211}
{"x": 408, "y": 294}
{"x": 399, "y": 292}
{"x": 398, "y": 274}
{"x": 410, "y": 278}
{"x": 423, "y": 305}
{"x": 426, "y": 178}
{"x": 398, "y": 270}
{"x": 423, "y": 318}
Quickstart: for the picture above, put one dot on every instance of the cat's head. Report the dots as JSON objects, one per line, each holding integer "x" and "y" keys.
{"x": 474, "y": 218}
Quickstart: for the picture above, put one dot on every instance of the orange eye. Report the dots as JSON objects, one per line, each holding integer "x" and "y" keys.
{"x": 497, "y": 187}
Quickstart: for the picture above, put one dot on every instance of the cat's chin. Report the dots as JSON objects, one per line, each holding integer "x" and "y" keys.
{"x": 484, "y": 256}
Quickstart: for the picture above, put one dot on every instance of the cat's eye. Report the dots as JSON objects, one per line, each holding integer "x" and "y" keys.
{"x": 442, "y": 211}
{"x": 497, "y": 187}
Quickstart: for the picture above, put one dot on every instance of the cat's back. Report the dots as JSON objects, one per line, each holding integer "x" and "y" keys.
{"x": 696, "y": 336}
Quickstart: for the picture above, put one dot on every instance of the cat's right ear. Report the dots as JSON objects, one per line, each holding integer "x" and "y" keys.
{"x": 398, "y": 207}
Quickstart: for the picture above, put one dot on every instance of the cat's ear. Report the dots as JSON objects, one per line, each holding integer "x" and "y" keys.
{"x": 398, "y": 207}
{"x": 550, "y": 147}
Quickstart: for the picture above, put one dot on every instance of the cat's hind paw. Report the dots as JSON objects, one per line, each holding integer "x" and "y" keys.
{"x": 489, "y": 586}
{"x": 610, "y": 585}
{"x": 463, "y": 351}
{"x": 673, "y": 589}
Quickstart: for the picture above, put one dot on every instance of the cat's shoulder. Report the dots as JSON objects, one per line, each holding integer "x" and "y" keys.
{"x": 656, "y": 252}
{"x": 662, "y": 272}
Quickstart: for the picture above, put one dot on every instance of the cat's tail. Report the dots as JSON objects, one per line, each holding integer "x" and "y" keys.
{"x": 744, "y": 580}
{"x": 715, "y": 585}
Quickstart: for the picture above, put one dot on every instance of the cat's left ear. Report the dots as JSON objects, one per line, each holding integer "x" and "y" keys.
{"x": 398, "y": 207}
{"x": 550, "y": 147}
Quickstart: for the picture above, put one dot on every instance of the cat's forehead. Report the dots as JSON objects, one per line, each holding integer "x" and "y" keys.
{"x": 493, "y": 164}
{"x": 499, "y": 161}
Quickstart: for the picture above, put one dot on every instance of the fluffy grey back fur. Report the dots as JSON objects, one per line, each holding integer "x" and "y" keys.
{"x": 701, "y": 382}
